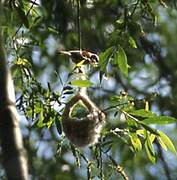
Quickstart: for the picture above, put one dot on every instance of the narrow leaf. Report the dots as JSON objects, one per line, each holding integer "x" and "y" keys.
{"x": 58, "y": 125}
{"x": 143, "y": 113}
{"x": 152, "y": 138}
{"x": 161, "y": 120}
{"x": 101, "y": 74}
{"x": 104, "y": 57}
{"x": 40, "y": 121}
{"x": 120, "y": 59}
{"x": 151, "y": 157}
{"x": 49, "y": 87}
{"x": 132, "y": 42}
{"x": 81, "y": 83}
{"x": 23, "y": 62}
{"x": 22, "y": 15}
{"x": 150, "y": 129}
{"x": 167, "y": 142}
{"x": 136, "y": 142}
{"x": 146, "y": 106}
{"x": 140, "y": 132}
{"x": 132, "y": 123}
{"x": 162, "y": 143}
{"x": 75, "y": 154}
{"x": 149, "y": 148}
{"x": 52, "y": 30}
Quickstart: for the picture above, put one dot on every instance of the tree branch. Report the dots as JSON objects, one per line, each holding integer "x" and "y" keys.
{"x": 164, "y": 163}
{"x": 13, "y": 152}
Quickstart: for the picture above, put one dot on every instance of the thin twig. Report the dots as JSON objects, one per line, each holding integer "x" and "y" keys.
{"x": 33, "y": 3}
{"x": 135, "y": 7}
{"x": 115, "y": 106}
{"x": 79, "y": 24}
{"x": 101, "y": 163}
{"x": 89, "y": 165}
{"x": 118, "y": 168}
{"x": 82, "y": 90}
{"x": 164, "y": 163}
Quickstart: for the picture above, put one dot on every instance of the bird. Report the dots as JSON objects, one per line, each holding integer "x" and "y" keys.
{"x": 81, "y": 55}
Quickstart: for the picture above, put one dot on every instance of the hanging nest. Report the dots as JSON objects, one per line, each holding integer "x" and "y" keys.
{"x": 86, "y": 130}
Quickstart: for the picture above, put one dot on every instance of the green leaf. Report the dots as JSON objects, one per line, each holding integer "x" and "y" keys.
{"x": 134, "y": 28}
{"x": 136, "y": 142}
{"x": 41, "y": 118}
{"x": 146, "y": 106}
{"x": 120, "y": 21}
{"x": 73, "y": 150}
{"x": 131, "y": 123}
{"x": 58, "y": 125}
{"x": 101, "y": 74}
{"x": 141, "y": 132}
{"x": 81, "y": 83}
{"x": 150, "y": 129}
{"x": 161, "y": 120}
{"x": 22, "y": 62}
{"x": 49, "y": 123}
{"x": 121, "y": 60}
{"x": 166, "y": 140}
{"x": 151, "y": 157}
{"x": 52, "y": 30}
{"x": 132, "y": 42}
{"x": 143, "y": 113}
{"x": 75, "y": 154}
{"x": 150, "y": 149}
{"x": 22, "y": 16}
{"x": 162, "y": 143}
{"x": 104, "y": 57}
{"x": 152, "y": 138}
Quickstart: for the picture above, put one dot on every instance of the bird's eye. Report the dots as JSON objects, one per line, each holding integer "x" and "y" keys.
{"x": 94, "y": 57}
{"x": 85, "y": 54}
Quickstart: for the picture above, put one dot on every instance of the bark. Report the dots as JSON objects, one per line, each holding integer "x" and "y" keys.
{"x": 13, "y": 152}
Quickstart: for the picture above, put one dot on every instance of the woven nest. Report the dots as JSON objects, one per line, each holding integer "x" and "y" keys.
{"x": 86, "y": 130}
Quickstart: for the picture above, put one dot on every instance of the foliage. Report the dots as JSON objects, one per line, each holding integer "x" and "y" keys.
{"x": 134, "y": 83}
